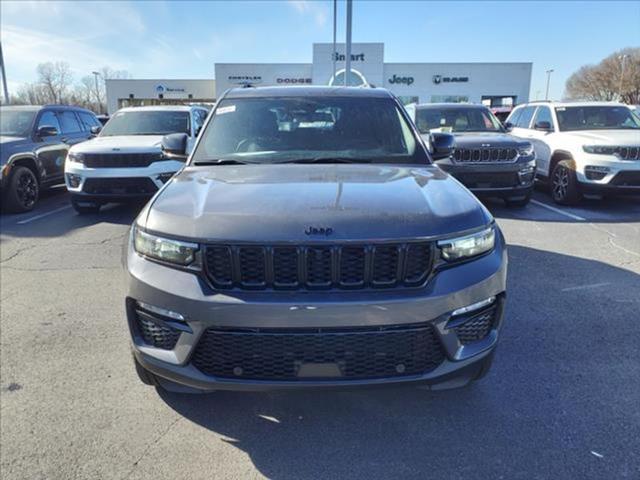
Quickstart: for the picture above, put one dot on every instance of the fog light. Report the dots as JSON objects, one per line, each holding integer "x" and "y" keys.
{"x": 165, "y": 177}
{"x": 526, "y": 174}
{"x": 594, "y": 172}
{"x": 161, "y": 311}
{"x": 473, "y": 306}
{"x": 73, "y": 180}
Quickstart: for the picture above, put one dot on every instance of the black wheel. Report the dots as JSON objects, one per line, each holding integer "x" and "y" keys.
{"x": 564, "y": 184}
{"x": 23, "y": 191}
{"x": 144, "y": 375}
{"x": 518, "y": 202}
{"x": 84, "y": 207}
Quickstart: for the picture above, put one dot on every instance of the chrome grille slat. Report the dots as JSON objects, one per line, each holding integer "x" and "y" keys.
{"x": 318, "y": 267}
{"x": 485, "y": 155}
{"x": 631, "y": 152}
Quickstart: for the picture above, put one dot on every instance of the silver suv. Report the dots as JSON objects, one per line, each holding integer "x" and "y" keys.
{"x": 310, "y": 241}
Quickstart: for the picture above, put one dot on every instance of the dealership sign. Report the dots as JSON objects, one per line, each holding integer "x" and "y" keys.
{"x": 160, "y": 89}
{"x": 244, "y": 79}
{"x": 401, "y": 80}
{"x": 341, "y": 57}
{"x": 438, "y": 79}
{"x": 293, "y": 81}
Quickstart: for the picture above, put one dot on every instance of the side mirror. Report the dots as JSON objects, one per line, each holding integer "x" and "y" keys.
{"x": 508, "y": 126}
{"x": 96, "y": 129}
{"x": 542, "y": 125}
{"x": 442, "y": 145}
{"x": 174, "y": 146}
{"x": 198, "y": 130}
{"x": 47, "y": 131}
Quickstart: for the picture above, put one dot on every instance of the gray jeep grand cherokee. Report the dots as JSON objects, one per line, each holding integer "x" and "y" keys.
{"x": 310, "y": 242}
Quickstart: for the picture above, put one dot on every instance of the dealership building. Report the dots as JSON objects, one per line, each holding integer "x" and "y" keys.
{"x": 493, "y": 84}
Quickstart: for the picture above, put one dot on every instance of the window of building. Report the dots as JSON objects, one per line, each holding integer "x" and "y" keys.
{"x": 449, "y": 98}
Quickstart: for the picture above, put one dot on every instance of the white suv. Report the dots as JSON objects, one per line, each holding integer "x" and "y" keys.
{"x": 126, "y": 160}
{"x": 582, "y": 148}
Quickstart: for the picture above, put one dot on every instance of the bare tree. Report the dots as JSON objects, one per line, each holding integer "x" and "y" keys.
{"x": 617, "y": 77}
{"x": 56, "y": 78}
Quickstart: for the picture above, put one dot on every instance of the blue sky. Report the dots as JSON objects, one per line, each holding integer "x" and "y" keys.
{"x": 184, "y": 39}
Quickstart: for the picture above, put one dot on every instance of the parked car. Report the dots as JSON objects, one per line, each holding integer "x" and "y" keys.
{"x": 34, "y": 141}
{"x": 583, "y": 147}
{"x": 292, "y": 253}
{"x": 125, "y": 162}
{"x": 487, "y": 160}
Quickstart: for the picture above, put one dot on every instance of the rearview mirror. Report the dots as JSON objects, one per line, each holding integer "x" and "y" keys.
{"x": 174, "y": 146}
{"x": 542, "y": 125}
{"x": 47, "y": 131}
{"x": 442, "y": 145}
{"x": 96, "y": 129}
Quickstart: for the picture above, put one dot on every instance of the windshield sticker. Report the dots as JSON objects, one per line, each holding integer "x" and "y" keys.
{"x": 560, "y": 109}
{"x": 229, "y": 109}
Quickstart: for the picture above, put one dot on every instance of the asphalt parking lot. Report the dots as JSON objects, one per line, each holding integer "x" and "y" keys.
{"x": 562, "y": 400}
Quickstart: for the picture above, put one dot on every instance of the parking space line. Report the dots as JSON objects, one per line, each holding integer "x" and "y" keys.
{"x": 584, "y": 287}
{"x": 557, "y": 210}
{"x": 42, "y": 215}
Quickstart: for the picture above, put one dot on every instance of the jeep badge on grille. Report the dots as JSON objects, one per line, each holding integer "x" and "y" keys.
{"x": 326, "y": 231}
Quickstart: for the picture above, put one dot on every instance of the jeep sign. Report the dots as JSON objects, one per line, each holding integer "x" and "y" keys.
{"x": 401, "y": 80}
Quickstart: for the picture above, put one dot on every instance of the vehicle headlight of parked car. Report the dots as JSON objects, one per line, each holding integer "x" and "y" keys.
{"x": 76, "y": 157}
{"x": 460, "y": 248}
{"x": 165, "y": 249}
{"x": 525, "y": 150}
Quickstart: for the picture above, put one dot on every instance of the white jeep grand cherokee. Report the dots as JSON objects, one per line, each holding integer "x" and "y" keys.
{"x": 582, "y": 148}
{"x": 125, "y": 161}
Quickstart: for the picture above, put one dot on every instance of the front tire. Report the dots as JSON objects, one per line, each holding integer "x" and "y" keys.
{"x": 564, "y": 184}
{"x": 84, "y": 207}
{"x": 23, "y": 191}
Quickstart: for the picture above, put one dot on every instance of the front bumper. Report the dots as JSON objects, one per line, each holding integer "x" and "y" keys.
{"x": 616, "y": 176}
{"x": 203, "y": 308}
{"x": 505, "y": 180}
{"x": 118, "y": 184}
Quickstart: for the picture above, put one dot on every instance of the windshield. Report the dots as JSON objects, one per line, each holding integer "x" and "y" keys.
{"x": 596, "y": 118}
{"x": 147, "y": 123}
{"x": 16, "y": 123}
{"x": 458, "y": 119}
{"x": 263, "y": 130}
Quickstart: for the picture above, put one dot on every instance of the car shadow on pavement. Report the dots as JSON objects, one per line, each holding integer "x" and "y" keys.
{"x": 563, "y": 385}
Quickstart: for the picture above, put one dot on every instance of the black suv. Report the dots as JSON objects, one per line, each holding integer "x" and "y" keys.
{"x": 34, "y": 141}
{"x": 487, "y": 159}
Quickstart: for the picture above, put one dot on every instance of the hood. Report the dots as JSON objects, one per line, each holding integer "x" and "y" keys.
{"x": 123, "y": 144}
{"x": 11, "y": 145}
{"x": 277, "y": 203}
{"x": 487, "y": 139}
{"x": 606, "y": 137}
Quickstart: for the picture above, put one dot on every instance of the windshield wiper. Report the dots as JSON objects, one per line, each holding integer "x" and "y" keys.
{"x": 327, "y": 160}
{"x": 223, "y": 161}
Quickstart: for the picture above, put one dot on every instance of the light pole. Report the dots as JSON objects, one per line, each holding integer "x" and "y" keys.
{"x": 347, "y": 70}
{"x": 96, "y": 75}
{"x": 622, "y": 58}
{"x": 5, "y": 90}
{"x": 549, "y": 72}
{"x": 335, "y": 15}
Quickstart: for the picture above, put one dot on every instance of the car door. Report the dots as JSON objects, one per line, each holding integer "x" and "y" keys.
{"x": 538, "y": 135}
{"x": 51, "y": 150}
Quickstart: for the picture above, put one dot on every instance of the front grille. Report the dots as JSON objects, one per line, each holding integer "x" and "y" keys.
{"x": 485, "y": 155}
{"x": 477, "y": 326}
{"x": 154, "y": 333}
{"x": 628, "y": 153}
{"x": 319, "y": 267}
{"x": 120, "y": 160}
{"x": 627, "y": 179}
{"x": 120, "y": 186}
{"x": 488, "y": 179}
{"x": 273, "y": 354}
